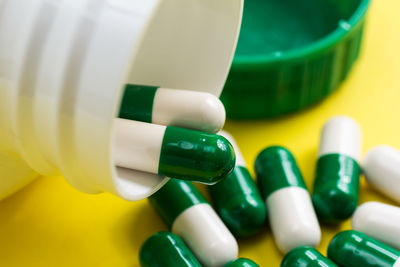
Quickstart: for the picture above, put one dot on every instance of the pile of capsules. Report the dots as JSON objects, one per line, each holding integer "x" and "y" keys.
{"x": 201, "y": 236}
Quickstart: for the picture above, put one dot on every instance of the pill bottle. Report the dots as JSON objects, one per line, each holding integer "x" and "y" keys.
{"x": 64, "y": 65}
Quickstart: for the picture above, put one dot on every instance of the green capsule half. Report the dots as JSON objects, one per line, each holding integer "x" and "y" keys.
{"x": 137, "y": 103}
{"x": 173, "y": 198}
{"x": 168, "y": 250}
{"x": 353, "y": 249}
{"x": 337, "y": 177}
{"x": 239, "y": 203}
{"x": 306, "y": 257}
{"x": 276, "y": 168}
{"x": 195, "y": 156}
{"x": 290, "y": 212}
{"x": 336, "y": 187}
{"x": 241, "y": 262}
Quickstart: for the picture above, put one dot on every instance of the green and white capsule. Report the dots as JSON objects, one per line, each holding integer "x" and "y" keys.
{"x": 291, "y": 214}
{"x": 355, "y": 249}
{"x": 168, "y": 250}
{"x": 380, "y": 221}
{"x": 237, "y": 199}
{"x": 184, "y": 209}
{"x": 336, "y": 184}
{"x": 305, "y": 257}
{"x": 241, "y": 262}
{"x": 182, "y": 108}
{"x": 171, "y": 151}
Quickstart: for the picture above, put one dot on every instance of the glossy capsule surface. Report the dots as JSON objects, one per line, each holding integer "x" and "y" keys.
{"x": 195, "y": 156}
{"x": 188, "y": 214}
{"x": 172, "y": 107}
{"x": 237, "y": 199}
{"x": 354, "y": 249}
{"x": 168, "y": 250}
{"x": 291, "y": 214}
{"x": 381, "y": 169}
{"x": 306, "y": 257}
{"x": 241, "y": 262}
{"x": 336, "y": 183}
{"x": 380, "y": 221}
{"x": 171, "y": 151}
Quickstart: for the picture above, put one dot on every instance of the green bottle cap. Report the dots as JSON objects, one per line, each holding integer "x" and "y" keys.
{"x": 276, "y": 168}
{"x": 195, "y": 156}
{"x": 239, "y": 203}
{"x": 175, "y": 197}
{"x": 292, "y": 54}
{"x": 306, "y": 257}
{"x": 241, "y": 262}
{"x": 352, "y": 248}
{"x": 137, "y": 103}
{"x": 336, "y": 185}
{"x": 168, "y": 250}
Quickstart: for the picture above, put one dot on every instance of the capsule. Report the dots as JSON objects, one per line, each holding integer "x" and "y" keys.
{"x": 168, "y": 250}
{"x": 355, "y": 249}
{"x": 291, "y": 214}
{"x": 336, "y": 184}
{"x": 237, "y": 199}
{"x": 184, "y": 210}
{"x": 182, "y": 108}
{"x": 304, "y": 257}
{"x": 381, "y": 169}
{"x": 171, "y": 151}
{"x": 380, "y": 221}
{"x": 241, "y": 262}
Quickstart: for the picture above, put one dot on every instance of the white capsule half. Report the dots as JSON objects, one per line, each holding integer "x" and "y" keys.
{"x": 341, "y": 135}
{"x": 172, "y": 151}
{"x": 137, "y": 145}
{"x": 380, "y": 221}
{"x": 381, "y": 167}
{"x": 190, "y": 109}
{"x": 206, "y": 235}
{"x": 292, "y": 218}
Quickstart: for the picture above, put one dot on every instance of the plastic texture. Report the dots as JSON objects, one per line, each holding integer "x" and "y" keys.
{"x": 292, "y": 54}
{"x": 336, "y": 187}
{"x": 353, "y": 249}
{"x": 174, "y": 198}
{"x": 276, "y": 168}
{"x": 195, "y": 156}
{"x": 63, "y": 69}
{"x": 306, "y": 257}
{"x": 168, "y": 250}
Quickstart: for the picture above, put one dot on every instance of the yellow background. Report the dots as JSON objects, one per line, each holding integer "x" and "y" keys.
{"x": 49, "y": 223}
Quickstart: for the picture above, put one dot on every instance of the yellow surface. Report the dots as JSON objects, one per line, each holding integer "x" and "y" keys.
{"x": 51, "y": 224}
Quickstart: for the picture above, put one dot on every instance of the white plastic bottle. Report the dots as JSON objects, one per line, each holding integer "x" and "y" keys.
{"x": 63, "y": 68}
